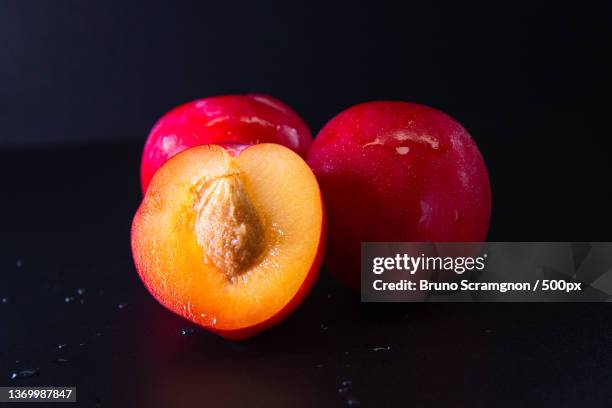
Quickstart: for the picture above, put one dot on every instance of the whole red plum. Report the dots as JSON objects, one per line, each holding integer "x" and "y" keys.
{"x": 229, "y": 119}
{"x": 396, "y": 171}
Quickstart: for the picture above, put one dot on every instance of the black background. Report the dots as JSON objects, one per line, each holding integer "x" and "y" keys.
{"x": 81, "y": 83}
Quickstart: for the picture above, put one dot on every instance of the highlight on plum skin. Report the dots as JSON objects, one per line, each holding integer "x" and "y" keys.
{"x": 231, "y": 237}
{"x": 234, "y": 119}
{"x": 396, "y": 171}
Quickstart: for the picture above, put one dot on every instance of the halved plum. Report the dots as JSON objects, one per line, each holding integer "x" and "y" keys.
{"x": 231, "y": 238}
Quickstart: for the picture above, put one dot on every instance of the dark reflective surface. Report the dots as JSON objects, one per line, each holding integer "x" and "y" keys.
{"x": 65, "y": 235}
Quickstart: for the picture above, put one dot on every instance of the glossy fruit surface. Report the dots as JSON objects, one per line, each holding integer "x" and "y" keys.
{"x": 397, "y": 171}
{"x": 234, "y": 119}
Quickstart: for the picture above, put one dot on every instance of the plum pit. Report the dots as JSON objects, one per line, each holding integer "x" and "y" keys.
{"x": 227, "y": 226}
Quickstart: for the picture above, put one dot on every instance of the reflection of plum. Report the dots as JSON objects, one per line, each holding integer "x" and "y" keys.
{"x": 427, "y": 353}
{"x": 227, "y": 384}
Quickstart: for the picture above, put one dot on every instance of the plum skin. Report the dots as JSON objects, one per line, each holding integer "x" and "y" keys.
{"x": 395, "y": 171}
{"x": 230, "y": 119}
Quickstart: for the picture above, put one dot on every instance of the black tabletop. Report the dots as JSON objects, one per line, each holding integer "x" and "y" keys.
{"x": 527, "y": 79}
{"x": 74, "y": 310}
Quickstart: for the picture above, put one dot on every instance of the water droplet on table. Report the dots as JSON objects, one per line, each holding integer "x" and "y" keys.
{"x": 61, "y": 346}
{"x": 68, "y": 299}
{"x": 80, "y": 291}
{"x": 5, "y": 300}
{"x": 187, "y": 331}
{"x": 27, "y": 373}
{"x": 121, "y": 306}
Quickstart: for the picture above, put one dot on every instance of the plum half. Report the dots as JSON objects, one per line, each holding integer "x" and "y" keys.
{"x": 231, "y": 237}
